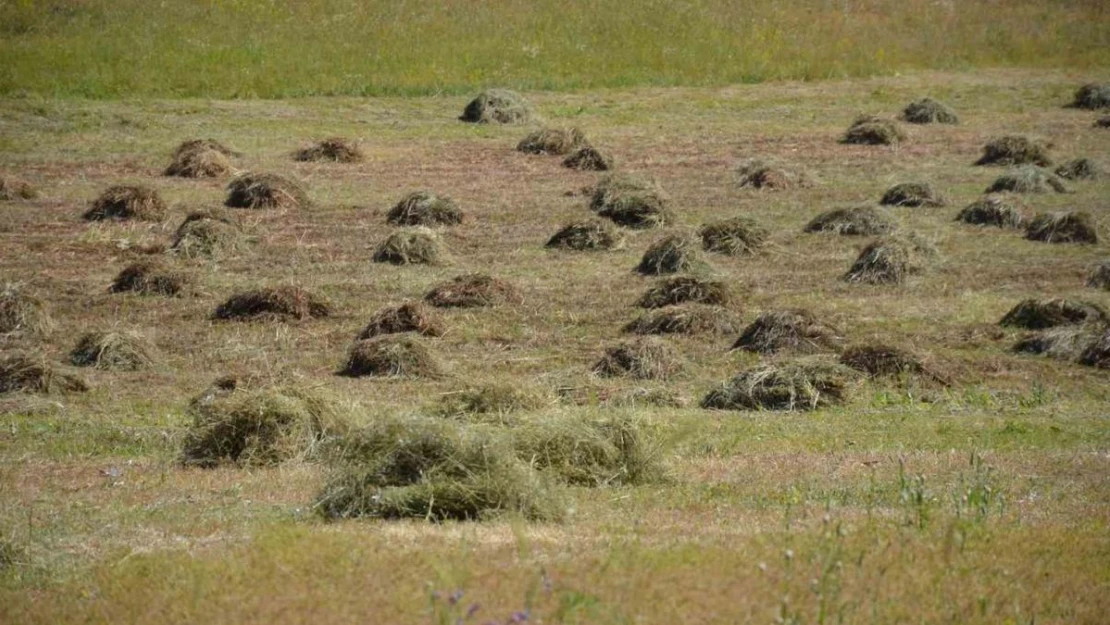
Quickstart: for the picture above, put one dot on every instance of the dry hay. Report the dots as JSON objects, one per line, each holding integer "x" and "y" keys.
{"x": 259, "y": 428}
{"x": 1092, "y": 96}
{"x": 278, "y": 303}
{"x": 127, "y": 202}
{"x": 23, "y": 314}
{"x": 870, "y": 130}
{"x": 584, "y": 451}
{"x": 671, "y": 254}
{"x": 760, "y": 174}
{"x": 113, "y": 351}
{"x": 472, "y": 290}
{"x": 1067, "y": 342}
{"x": 1038, "y": 314}
{"x": 556, "y": 141}
{"x": 1097, "y": 353}
{"x": 27, "y": 373}
{"x": 1062, "y": 227}
{"x": 207, "y": 234}
{"x": 631, "y": 201}
{"x": 585, "y": 235}
{"x": 1027, "y": 179}
{"x": 499, "y": 106}
{"x": 389, "y": 356}
{"x": 912, "y": 194}
{"x": 588, "y": 158}
{"x": 494, "y": 400}
{"x": 200, "y": 145}
{"x": 423, "y": 208}
{"x": 149, "y": 277}
{"x": 333, "y": 149}
{"x": 929, "y": 111}
{"x": 794, "y": 330}
{"x": 683, "y": 289}
{"x": 1014, "y": 150}
{"x": 645, "y": 357}
{"x": 1102, "y": 122}
{"x": 891, "y": 260}
{"x": 1003, "y": 211}
{"x": 199, "y": 162}
{"x": 800, "y": 385}
{"x": 1080, "y": 169}
{"x": 407, "y": 317}
{"x": 684, "y": 319}
{"x": 265, "y": 191}
{"x": 738, "y": 236}
{"x": 417, "y": 245}
{"x": 853, "y": 221}
{"x": 881, "y": 360}
{"x": 16, "y": 190}
{"x": 1100, "y": 277}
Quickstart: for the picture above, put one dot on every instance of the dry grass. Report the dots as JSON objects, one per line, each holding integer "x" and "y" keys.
{"x": 423, "y": 208}
{"x": 1015, "y": 150}
{"x": 685, "y": 289}
{"x": 673, "y": 253}
{"x": 794, "y": 330}
{"x": 23, "y": 314}
{"x": 1002, "y": 211}
{"x": 391, "y": 356}
{"x": 929, "y": 111}
{"x": 796, "y": 385}
{"x": 124, "y": 202}
{"x": 16, "y": 190}
{"x": 417, "y": 245}
{"x": 589, "y": 158}
{"x": 738, "y": 236}
{"x": 631, "y": 201}
{"x": 1092, "y": 96}
{"x": 586, "y": 235}
{"x": 644, "y": 358}
{"x": 684, "y": 319}
{"x": 472, "y": 290}
{"x": 891, "y": 260}
{"x": 498, "y": 106}
{"x": 276, "y": 303}
{"x": 1080, "y": 169}
{"x": 407, "y": 317}
{"x": 1100, "y": 276}
{"x": 912, "y": 194}
{"x": 265, "y": 191}
{"x": 333, "y": 150}
{"x": 772, "y": 176}
{"x": 113, "y": 351}
{"x": 150, "y": 277}
{"x": 871, "y": 130}
{"x": 31, "y": 373}
{"x": 1038, "y": 314}
{"x": 1062, "y": 227}
{"x": 854, "y": 221}
{"x": 556, "y": 141}
{"x": 208, "y": 234}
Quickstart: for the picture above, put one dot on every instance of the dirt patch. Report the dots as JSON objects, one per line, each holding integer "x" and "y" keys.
{"x": 870, "y": 130}
{"x": 33, "y": 373}
{"x": 891, "y": 260}
{"x": 929, "y": 111}
{"x": 124, "y": 202}
{"x": 423, "y": 208}
{"x": 277, "y": 303}
{"x": 685, "y": 289}
{"x": 265, "y": 191}
{"x": 794, "y": 330}
{"x": 1038, "y": 314}
{"x": 800, "y": 385}
{"x": 1063, "y": 227}
{"x": 1002, "y": 211}
{"x": 208, "y": 234}
{"x": 557, "y": 141}
{"x": 671, "y": 254}
{"x": 417, "y": 245}
{"x": 1092, "y": 96}
{"x": 1027, "y": 179}
{"x": 684, "y": 319}
{"x": 645, "y": 358}
{"x": 738, "y": 236}
{"x": 763, "y": 174}
{"x": 912, "y": 194}
{"x": 150, "y": 277}
{"x": 16, "y": 190}
{"x": 333, "y": 149}
{"x": 853, "y": 221}
{"x": 586, "y": 235}
{"x": 497, "y": 106}
{"x": 1080, "y": 169}
{"x": 472, "y": 291}
{"x": 1100, "y": 277}
{"x": 407, "y": 317}
{"x": 389, "y": 356}
{"x": 588, "y": 158}
{"x": 1014, "y": 150}
{"x": 113, "y": 351}
{"x": 631, "y": 201}
{"x": 23, "y": 314}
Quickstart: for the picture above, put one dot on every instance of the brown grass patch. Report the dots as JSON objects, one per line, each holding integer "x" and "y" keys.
{"x": 265, "y": 191}
{"x": 767, "y": 175}
{"x": 671, "y": 254}
{"x": 407, "y": 317}
{"x": 646, "y": 358}
{"x": 279, "y": 303}
{"x": 127, "y": 202}
{"x": 738, "y": 236}
{"x": 27, "y": 373}
{"x": 929, "y": 111}
{"x": 794, "y": 330}
{"x": 1014, "y": 150}
{"x": 149, "y": 277}
{"x": 417, "y": 245}
{"x": 1100, "y": 277}
{"x": 333, "y": 149}
{"x": 683, "y": 289}
{"x": 1037, "y": 314}
{"x": 16, "y": 190}
{"x": 684, "y": 319}
{"x": 113, "y": 351}
{"x": 912, "y": 194}
{"x": 207, "y": 234}
{"x": 586, "y": 235}
{"x": 557, "y": 141}
{"x": 870, "y": 130}
{"x": 853, "y": 221}
{"x": 631, "y": 201}
{"x": 1000, "y": 210}
{"x": 472, "y": 291}
{"x": 23, "y": 314}
{"x": 423, "y": 208}
{"x": 1080, "y": 169}
{"x": 800, "y": 385}
{"x": 589, "y": 158}
{"x": 391, "y": 355}
{"x": 1063, "y": 227}
{"x": 891, "y": 260}
{"x": 497, "y": 106}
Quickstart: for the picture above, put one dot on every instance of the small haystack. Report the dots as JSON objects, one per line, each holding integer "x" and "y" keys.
{"x": 671, "y": 254}
{"x": 265, "y": 191}
{"x": 1063, "y": 227}
{"x": 586, "y": 235}
{"x": 407, "y": 317}
{"x": 685, "y": 289}
{"x": 1014, "y": 150}
{"x": 472, "y": 291}
{"x": 630, "y": 201}
{"x": 646, "y": 358}
{"x": 738, "y": 236}
{"x": 800, "y": 385}
{"x": 16, "y": 190}
{"x": 590, "y": 452}
{"x": 912, "y": 194}
{"x": 1038, "y": 314}
{"x": 891, "y": 260}
{"x": 207, "y": 234}
{"x": 423, "y": 208}
{"x": 999, "y": 210}
{"x": 411, "y": 246}
{"x": 149, "y": 277}
{"x": 200, "y": 158}
{"x": 1099, "y": 278}
{"x": 389, "y": 356}
{"x": 113, "y": 351}
{"x": 881, "y": 360}
{"x": 27, "y": 373}
{"x": 1097, "y": 354}
{"x": 277, "y": 303}
{"x": 929, "y": 111}
{"x": 124, "y": 202}
{"x": 1080, "y": 169}
{"x": 557, "y": 141}
{"x": 1066, "y": 342}
{"x": 870, "y": 130}
{"x": 1027, "y": 179}
{"x": 854, "y": 221}
{"x": 23, "y": 314}
{"x": 761, "y": 174}
{"x": 684, "y": 319}
{"x": 334, "y": 150}
{"x": 794, "y": 330}
{"x": 588, "y": 158}
{"x": 1092, "y": 96}
{"x": 497, "y": 106}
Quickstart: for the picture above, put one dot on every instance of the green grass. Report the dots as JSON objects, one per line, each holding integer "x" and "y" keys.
{"x": 185, "y": 48}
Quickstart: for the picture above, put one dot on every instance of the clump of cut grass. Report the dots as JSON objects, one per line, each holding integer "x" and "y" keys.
{"x": 1027, "y": 179}
{"x": 407, "y": 317}
{"x": 1097, "y": 353}
{"x": 646, "y": 358}
{"x": 794, "y": 330}
{"x": 417, "y": 245}
{"x": 799, "y": 385}
{"x": 1067, "y": 342}
{"x": 261, "y": 427}
{"x": 871, "y": 130}
{"x": 265, "y": 191}
{"x": 1092, "y": 96}
{"x": 496, "y": 400}
{"x": 684, "y": 319}
{"x": 113, "y": 351}
{"x": 207, "y": 234}
{"x": 199, "y": 160}
{"x": 28, "y": 373}
{"x": 391, "y": 356}
{"x": 882, "y": 360}
{"x": 497, "y": 106}
{"x": 1014, "y": 150}
{"x": 1062, "y": 227}
{"x": 891, "y": 260}
{"x": 275, "y": 303}
{"x": 23, "y": 314}
{"x": 630, "y": 201}
{"x": 423, "y": 208}
{"x": 671, "y": 254}
{"x": 333, "y": 149}
{"x": 683, "y": 289}
{"x": 557, "y": 141}
{"x": 1099, "y": 278}
{"x": 761, "y": 174}
{"x": 590, "y": 452}
{"x": 586, "y": 235}
{"x": 123, "y": 202}
{"x": 1002, "y": 211}
{"x": 1080, "y": 169}
{"x": 472, "y": 290}
{"x": 738, "y": 236}
{"x": 149, "y": 277}
{"x": 854, "y": 221}
{"x": 588, "y": 158}
{"x": 912, "y": 194}
{"x": 929, "y": 111}
{"x": 1038, "y": 314}
{"x": 16, "y": 190}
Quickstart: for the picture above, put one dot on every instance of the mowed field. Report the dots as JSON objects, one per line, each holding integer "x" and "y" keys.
{"x": 983, "y": 500}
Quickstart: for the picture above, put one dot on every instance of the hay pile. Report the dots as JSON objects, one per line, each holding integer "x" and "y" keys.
{"x": 1038, "y": 314}
{"x": 589, "y": 452}
{"x": 411, "y": 246}
{"x": 630, "y": 201}
{"x": 671, "y": 254}
{"x": 334, "y": 149}
{"x": 761, "y": 174}
{"x": 1066, "y": 342}
{"x": 16, "y": 190}
{"x": 646, "y": 358}
{"x": 1097, "y": 353}
{"x": 870, "y": 130}
{"x": 588, "y": 158}
{"x": 1092, "y": 96}
{"x": 408, "y": 317}
{"x": 113, "y": 351}
{"x": 149, "y": 277}
{"x": 881, "y": 360}
{"x": 260, "y": 427}
{"x": 1027, "y": 179}
{"x": 1080, "y": 169}
{"x": 391, "y": 356}
{"x": 854, "y": 221}
{"x": 1003, "y": 211}
{"x": 207, "y": 234}
{"x": 794, "y": 330}
{"x": 684, "y": 319}
{"x": 423, "y": 208}
{"x": 472, "y": 291}
{"x": 585, "y": 235}
{"x": 738, "y": 236}
{"x": 1099, "y": 278}
{"x": 23, "y": 314}
{"x": 800, "y": 385}
{"x": 912, "y": 194}
{"x": 265, "y": 191}
{"x": 683, "y": 289}
{"x": 26, "y": 373}
{"x": 123, "y": 202}
{"x": 891, "y": 260}
{"x": 276, "y": 303}
{"x": 557, "y": 141}
{"x": 496, "y": 400}
{"x": 1063, "y": 227}
{"x": 200, "y": 158}
{"x": 1014, "y": 150}
{"x": 497, "y": 106}
{"x": 929, "y": 111}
